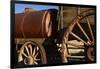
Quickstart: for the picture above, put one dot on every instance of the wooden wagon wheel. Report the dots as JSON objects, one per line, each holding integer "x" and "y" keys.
{"x": 32, "y": 54}
{"x": 90, "y": 54}
{"x": 81, "y": 29}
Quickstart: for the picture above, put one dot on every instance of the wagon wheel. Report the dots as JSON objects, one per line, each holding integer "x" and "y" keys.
{"x": 90, "y": 54}
{"x": 32, "y": 54}
{"x": 82, "y": 29}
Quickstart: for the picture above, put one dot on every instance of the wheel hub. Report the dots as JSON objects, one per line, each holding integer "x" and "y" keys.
{"x": 90, "y": 43}
{"x": 29, "y": 60}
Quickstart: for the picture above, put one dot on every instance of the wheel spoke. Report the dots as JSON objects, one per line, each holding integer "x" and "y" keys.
{"x": 37, "y": 48}
{"x": 90, "y": 28}
{"x": 27, "y": 50}
{"x": 24, "y": 54}
{"x": 34, "y": 51}
{"x": 83, "y": 31}
{"x": 35, "y": 62}
{"x": 36, "y": 55}
{"x": 37, "y": 59}
{"x": 78, "y": 37}
{"x": 30, "y": 46}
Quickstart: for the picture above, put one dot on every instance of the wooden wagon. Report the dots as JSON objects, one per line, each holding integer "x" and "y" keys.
{"x": 33, "y": 29}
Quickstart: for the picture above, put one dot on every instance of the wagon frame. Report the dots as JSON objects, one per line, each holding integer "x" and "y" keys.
{"x": 31, "y": 46}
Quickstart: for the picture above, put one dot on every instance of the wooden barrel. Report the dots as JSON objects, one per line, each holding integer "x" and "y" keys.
{"x": 35, "y": 24}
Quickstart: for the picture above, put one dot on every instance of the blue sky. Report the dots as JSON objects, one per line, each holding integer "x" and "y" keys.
{"x": 19, "y": 8}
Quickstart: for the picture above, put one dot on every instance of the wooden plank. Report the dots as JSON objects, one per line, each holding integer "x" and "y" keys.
{"x": 76, "y": 56}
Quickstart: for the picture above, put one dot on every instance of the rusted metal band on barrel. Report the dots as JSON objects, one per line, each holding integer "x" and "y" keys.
{"x": 48, "y": 25}
{"x": 42, "y": 26}
{"x": 45, "y": 24}
{"x": 22, "y": 25}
